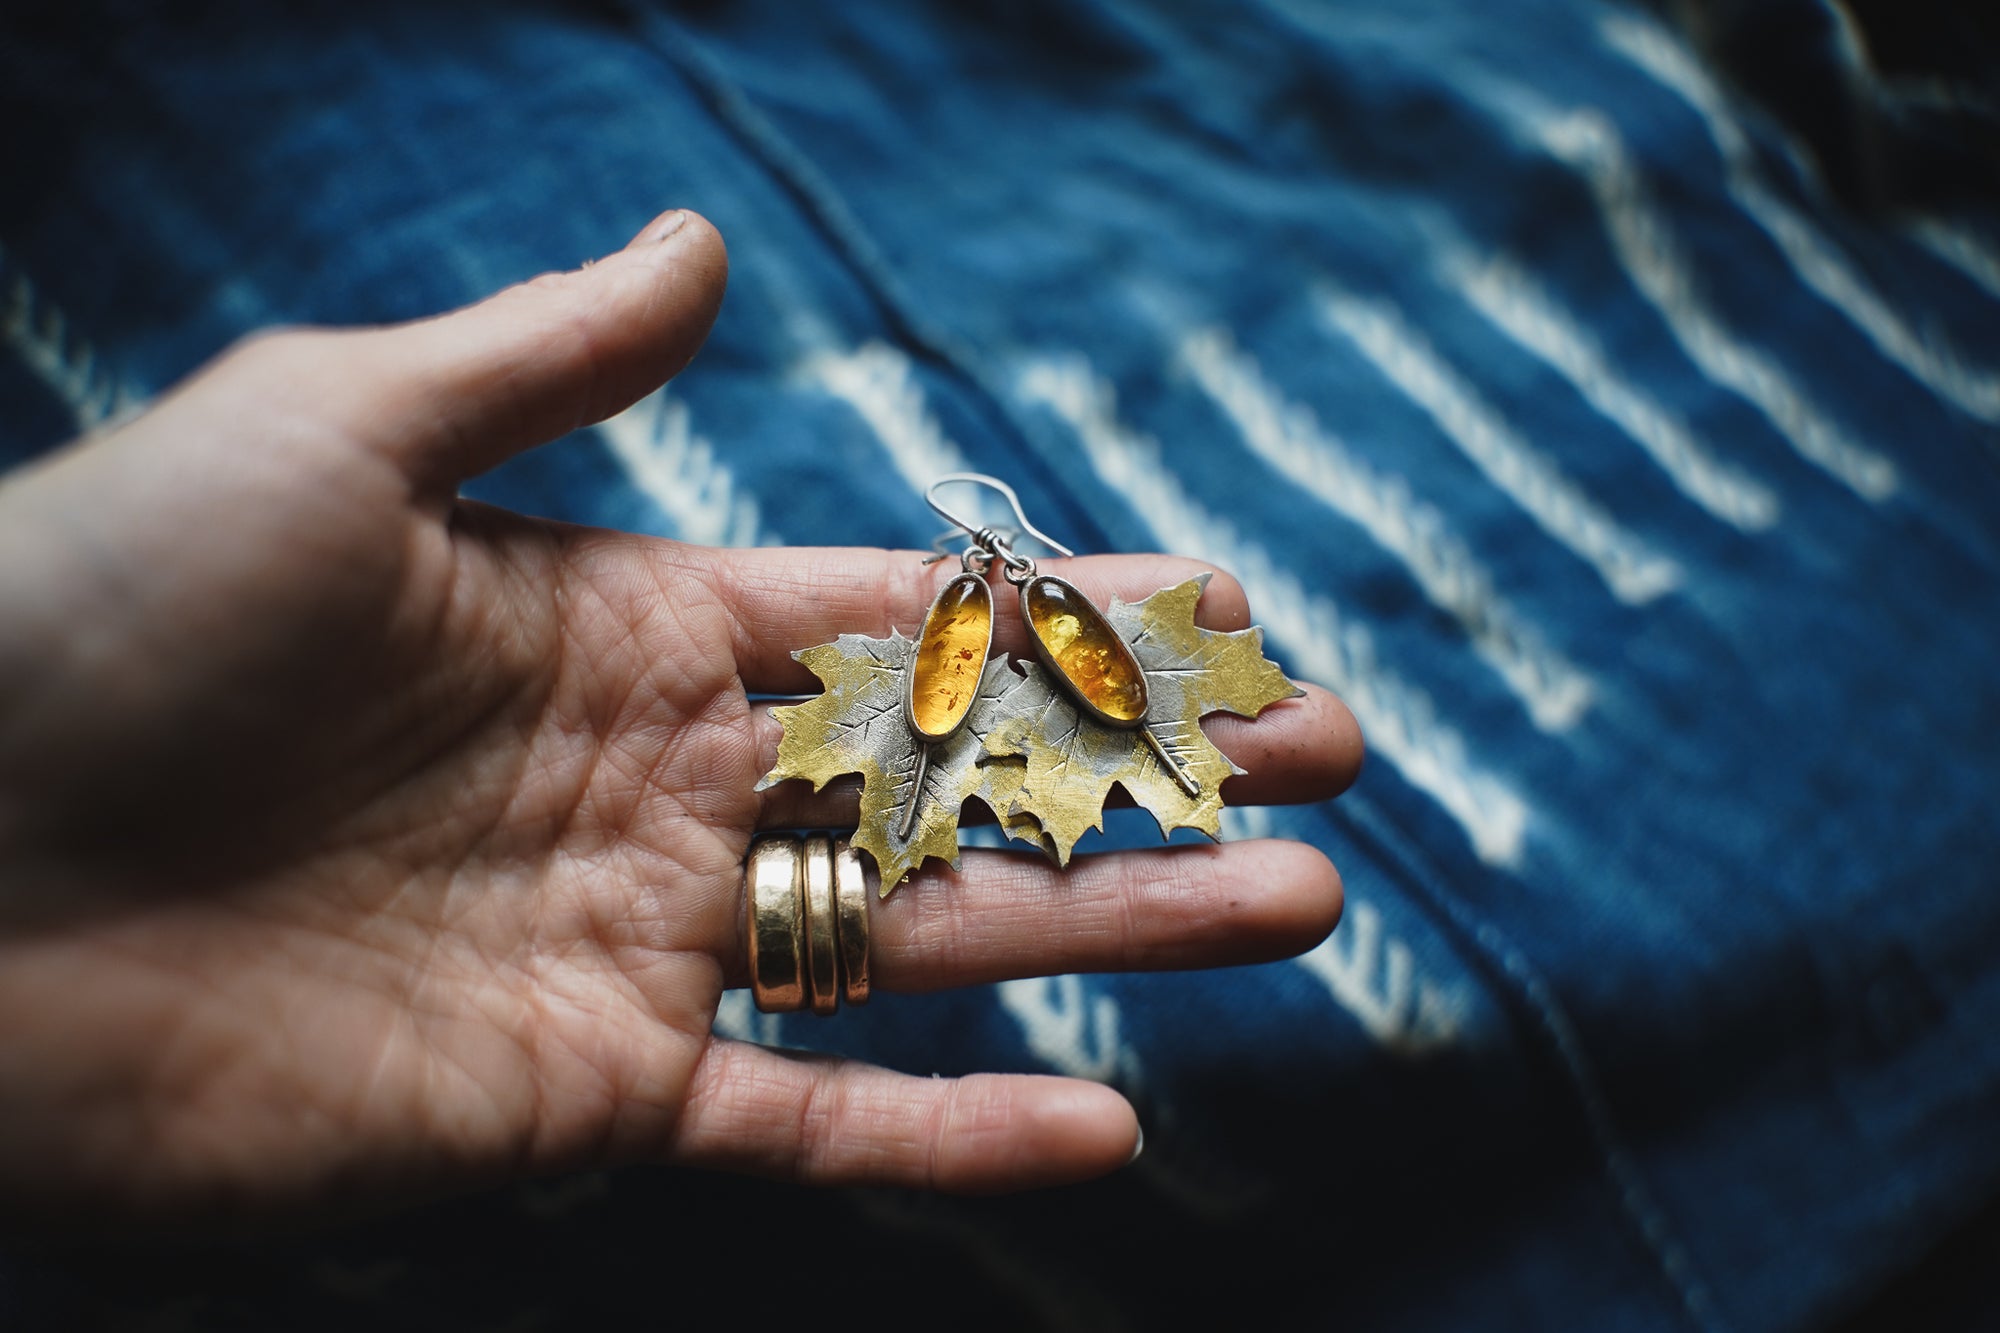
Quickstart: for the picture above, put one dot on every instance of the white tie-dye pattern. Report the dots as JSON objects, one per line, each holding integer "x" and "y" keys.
{"x": 1072, "y": 1028}
{"x": 1520, "y": 308}
{"x": 1291, "y": 441}
{"x": 1374, "y": 976}
{"x": 875, "y": 380}
{"x": 1971, "y": 255}
{"x": 678, "y": 471}
{"x": 1654, "y": 259}
{"x": 39, "y": 333}
{"x": 1813, "y": 257}
{"x": 1399, "y": 720}
{"x": 1632, "y": 572}
{"x": 1371, "y": 973}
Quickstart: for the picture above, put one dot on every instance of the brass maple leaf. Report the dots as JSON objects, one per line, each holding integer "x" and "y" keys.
{"x": 859, "y": 726}
{"x": 1073, "y": 761}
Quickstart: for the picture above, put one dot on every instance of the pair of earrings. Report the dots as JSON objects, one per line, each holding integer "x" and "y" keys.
{"x": 1114, "y": 698}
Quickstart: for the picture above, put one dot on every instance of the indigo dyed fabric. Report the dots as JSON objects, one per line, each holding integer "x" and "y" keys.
{"x": 1639, "y": 499}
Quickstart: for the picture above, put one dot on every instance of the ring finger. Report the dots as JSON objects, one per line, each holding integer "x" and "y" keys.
{"x": 1004, "y": 915}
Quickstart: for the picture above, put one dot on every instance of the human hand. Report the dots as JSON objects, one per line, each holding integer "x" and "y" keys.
{"x": 358, "y": 842}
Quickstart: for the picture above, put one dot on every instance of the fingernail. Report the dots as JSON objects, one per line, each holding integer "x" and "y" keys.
{"x": 660, "y": 228}
{"x": 1138, "y": 1147}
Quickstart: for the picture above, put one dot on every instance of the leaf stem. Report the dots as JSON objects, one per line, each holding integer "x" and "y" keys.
{"x": 1172, "y": 765}
{"x": 916, "y": 792}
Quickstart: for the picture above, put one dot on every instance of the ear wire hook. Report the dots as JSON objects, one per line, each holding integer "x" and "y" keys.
{"x": 985, "y": 537}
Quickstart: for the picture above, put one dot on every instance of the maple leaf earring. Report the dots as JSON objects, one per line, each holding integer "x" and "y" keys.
{"x": 1115, "y": 698}
{"x": 912, "y": 718}
{"x": 1070, "y": 636}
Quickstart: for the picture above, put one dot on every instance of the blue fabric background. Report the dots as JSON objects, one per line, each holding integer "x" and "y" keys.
{"x": 1640, "y": 501}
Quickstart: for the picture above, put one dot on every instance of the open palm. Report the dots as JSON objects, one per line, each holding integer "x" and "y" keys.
{"x": 358, "y": 841}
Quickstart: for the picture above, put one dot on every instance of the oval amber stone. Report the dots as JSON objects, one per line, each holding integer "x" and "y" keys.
{"x": 950, "y": 657}
{"x": 1073, "y": 638}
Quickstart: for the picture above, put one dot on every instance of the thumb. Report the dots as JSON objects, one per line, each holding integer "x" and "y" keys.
{"x": 447, "y": 398}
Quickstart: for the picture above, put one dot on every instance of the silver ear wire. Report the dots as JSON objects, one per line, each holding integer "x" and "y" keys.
{"x": 994, "y": 540}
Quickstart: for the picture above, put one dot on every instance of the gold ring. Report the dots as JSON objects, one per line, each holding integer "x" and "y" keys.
{"x": 777, "y": 925}
{"x": 807, "y": 902}
{"x": 822, "y": 950}
{"x": 850, "y": 893}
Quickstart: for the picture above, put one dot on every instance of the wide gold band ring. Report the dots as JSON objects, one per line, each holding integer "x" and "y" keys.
{"x": 807, "y": 903}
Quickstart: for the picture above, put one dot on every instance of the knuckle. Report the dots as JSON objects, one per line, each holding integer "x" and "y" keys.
{"x": 819, "y": 1114}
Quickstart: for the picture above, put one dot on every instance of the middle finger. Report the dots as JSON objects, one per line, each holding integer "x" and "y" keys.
{"x": 1297, "y": 751}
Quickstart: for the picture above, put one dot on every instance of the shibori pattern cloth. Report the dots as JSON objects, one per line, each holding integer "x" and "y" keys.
{"x": 1641, "y": 502}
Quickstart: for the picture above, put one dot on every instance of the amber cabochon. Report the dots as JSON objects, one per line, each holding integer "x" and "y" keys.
{"x": 1075, "y": 641}
{"x": 951, "y": 657}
